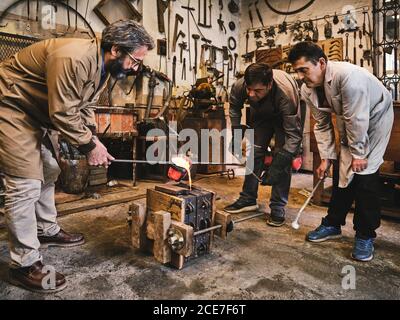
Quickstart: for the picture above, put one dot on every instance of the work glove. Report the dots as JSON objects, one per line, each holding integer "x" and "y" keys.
{"x": 279, "y": 169}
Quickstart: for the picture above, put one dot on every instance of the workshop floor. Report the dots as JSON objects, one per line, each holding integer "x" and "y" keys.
{"x": 256, "y": 262}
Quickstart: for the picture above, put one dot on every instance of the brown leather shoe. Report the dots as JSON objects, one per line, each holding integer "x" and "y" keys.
{"x": 31, "y": 278}
{"x": 62, "y": 239}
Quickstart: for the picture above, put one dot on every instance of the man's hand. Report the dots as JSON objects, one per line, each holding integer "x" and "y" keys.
{"x": 99, "y": 155}
{"x": 359, "y": 165}
{"x": 322, "y": 170}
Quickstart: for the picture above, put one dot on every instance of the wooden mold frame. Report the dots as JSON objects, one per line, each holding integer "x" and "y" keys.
{"x": 151, "y": 218}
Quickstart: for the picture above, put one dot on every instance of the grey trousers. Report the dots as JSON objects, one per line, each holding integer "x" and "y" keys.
{"x": 30, "y": 211}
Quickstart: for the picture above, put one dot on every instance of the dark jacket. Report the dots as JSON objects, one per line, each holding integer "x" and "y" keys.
{"x": 282, "y": 105}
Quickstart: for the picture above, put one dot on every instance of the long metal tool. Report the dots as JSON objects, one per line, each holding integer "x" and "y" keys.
{"x": 188, "y": 8}
{"x": 169, "y": 162}
{"x": 218, "y": 226}
{"x": 258, "y": 13}
{"x": 295, "y": 223}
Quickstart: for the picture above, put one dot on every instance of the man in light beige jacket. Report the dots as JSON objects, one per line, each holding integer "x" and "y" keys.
{"x": 364, "y": 115}
{"x": 47, "y": 86}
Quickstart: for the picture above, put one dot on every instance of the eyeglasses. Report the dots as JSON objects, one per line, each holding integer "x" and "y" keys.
{"x": 136, "y": 62}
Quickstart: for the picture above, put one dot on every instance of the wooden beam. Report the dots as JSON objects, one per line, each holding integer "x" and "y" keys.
{"x": 138, "y": 227}
{"x": 157, "y": 201}
{"x": 187, "y": 232}
{"x": 104, "y": 201}
{"x": 161, "y": 248}
{"x": 222, "y": 218}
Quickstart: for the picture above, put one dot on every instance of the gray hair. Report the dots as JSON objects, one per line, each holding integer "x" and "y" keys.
{"x": 127, "y": 34}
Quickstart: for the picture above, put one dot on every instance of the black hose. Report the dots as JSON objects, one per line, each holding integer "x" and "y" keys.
{"x": 288, "y": 12}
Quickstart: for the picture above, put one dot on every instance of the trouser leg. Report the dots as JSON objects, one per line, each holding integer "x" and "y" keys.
{"x": 21, "y": 196}
{"x": 262, "y": 138}
{"x": 46, "y": 212}
{"x": 367, "y": 214}
{"x": 280, "y": 191}
{"x": 340, "y": 204}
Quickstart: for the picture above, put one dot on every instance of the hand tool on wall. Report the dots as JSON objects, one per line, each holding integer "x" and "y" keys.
{"x": 87, "y": 8}
{"x": 335, "y": 19}
{"x": 233, "y": 7}
{"x": 183, "y": 46}
{"x": 230, "y": 68}
{"x": 221, "y": 23}
{"x": 327, "y": 28}
{"x": 204, "y": 23}
{"x": 257, "y": 34}
{"x": 196, "y": 38}
{"x": 315, "y": 36}
{"x": 355, "y": 48}
{"x": 360, "y": 34}
{"x": 174, "y": 71}
{"x": 282, "y": 28}
{"x": 221, "y": 5}
{"x": 235, "y": 64}
{"x": 258, "y": 13}
{"x": 210, "y": 11}
{"x": 189, "y": 10}
{"x": 346, "y": 58}
{"x": 248, "y": 57}
{"x": 162, "y": 47}
{"x": 162, "y": 6}
{"x": 199, "y": 11}
{"x": 367, "y": 55}
{"x": 251, "y": 15}
{"x": 178, "y": 20}
{"x": 232, "y": 43}
{"x": 169, "y": 29}
{"x": 183, "y": 75}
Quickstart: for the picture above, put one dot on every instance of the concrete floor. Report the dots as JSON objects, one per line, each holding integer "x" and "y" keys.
{"x": 256, "y": 262}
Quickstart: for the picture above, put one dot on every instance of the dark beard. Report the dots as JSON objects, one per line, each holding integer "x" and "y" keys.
{"x": 117, "y": 71}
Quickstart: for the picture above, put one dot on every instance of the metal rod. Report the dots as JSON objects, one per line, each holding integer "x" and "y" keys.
{"x": 249, "y": 217}
{"x": 197, "y": 233}
{"x": 234, "y": 222}
{"x": 169, "y": 162}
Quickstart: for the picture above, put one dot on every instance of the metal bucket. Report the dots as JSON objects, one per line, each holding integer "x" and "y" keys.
{"x": 74, "y": 175}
